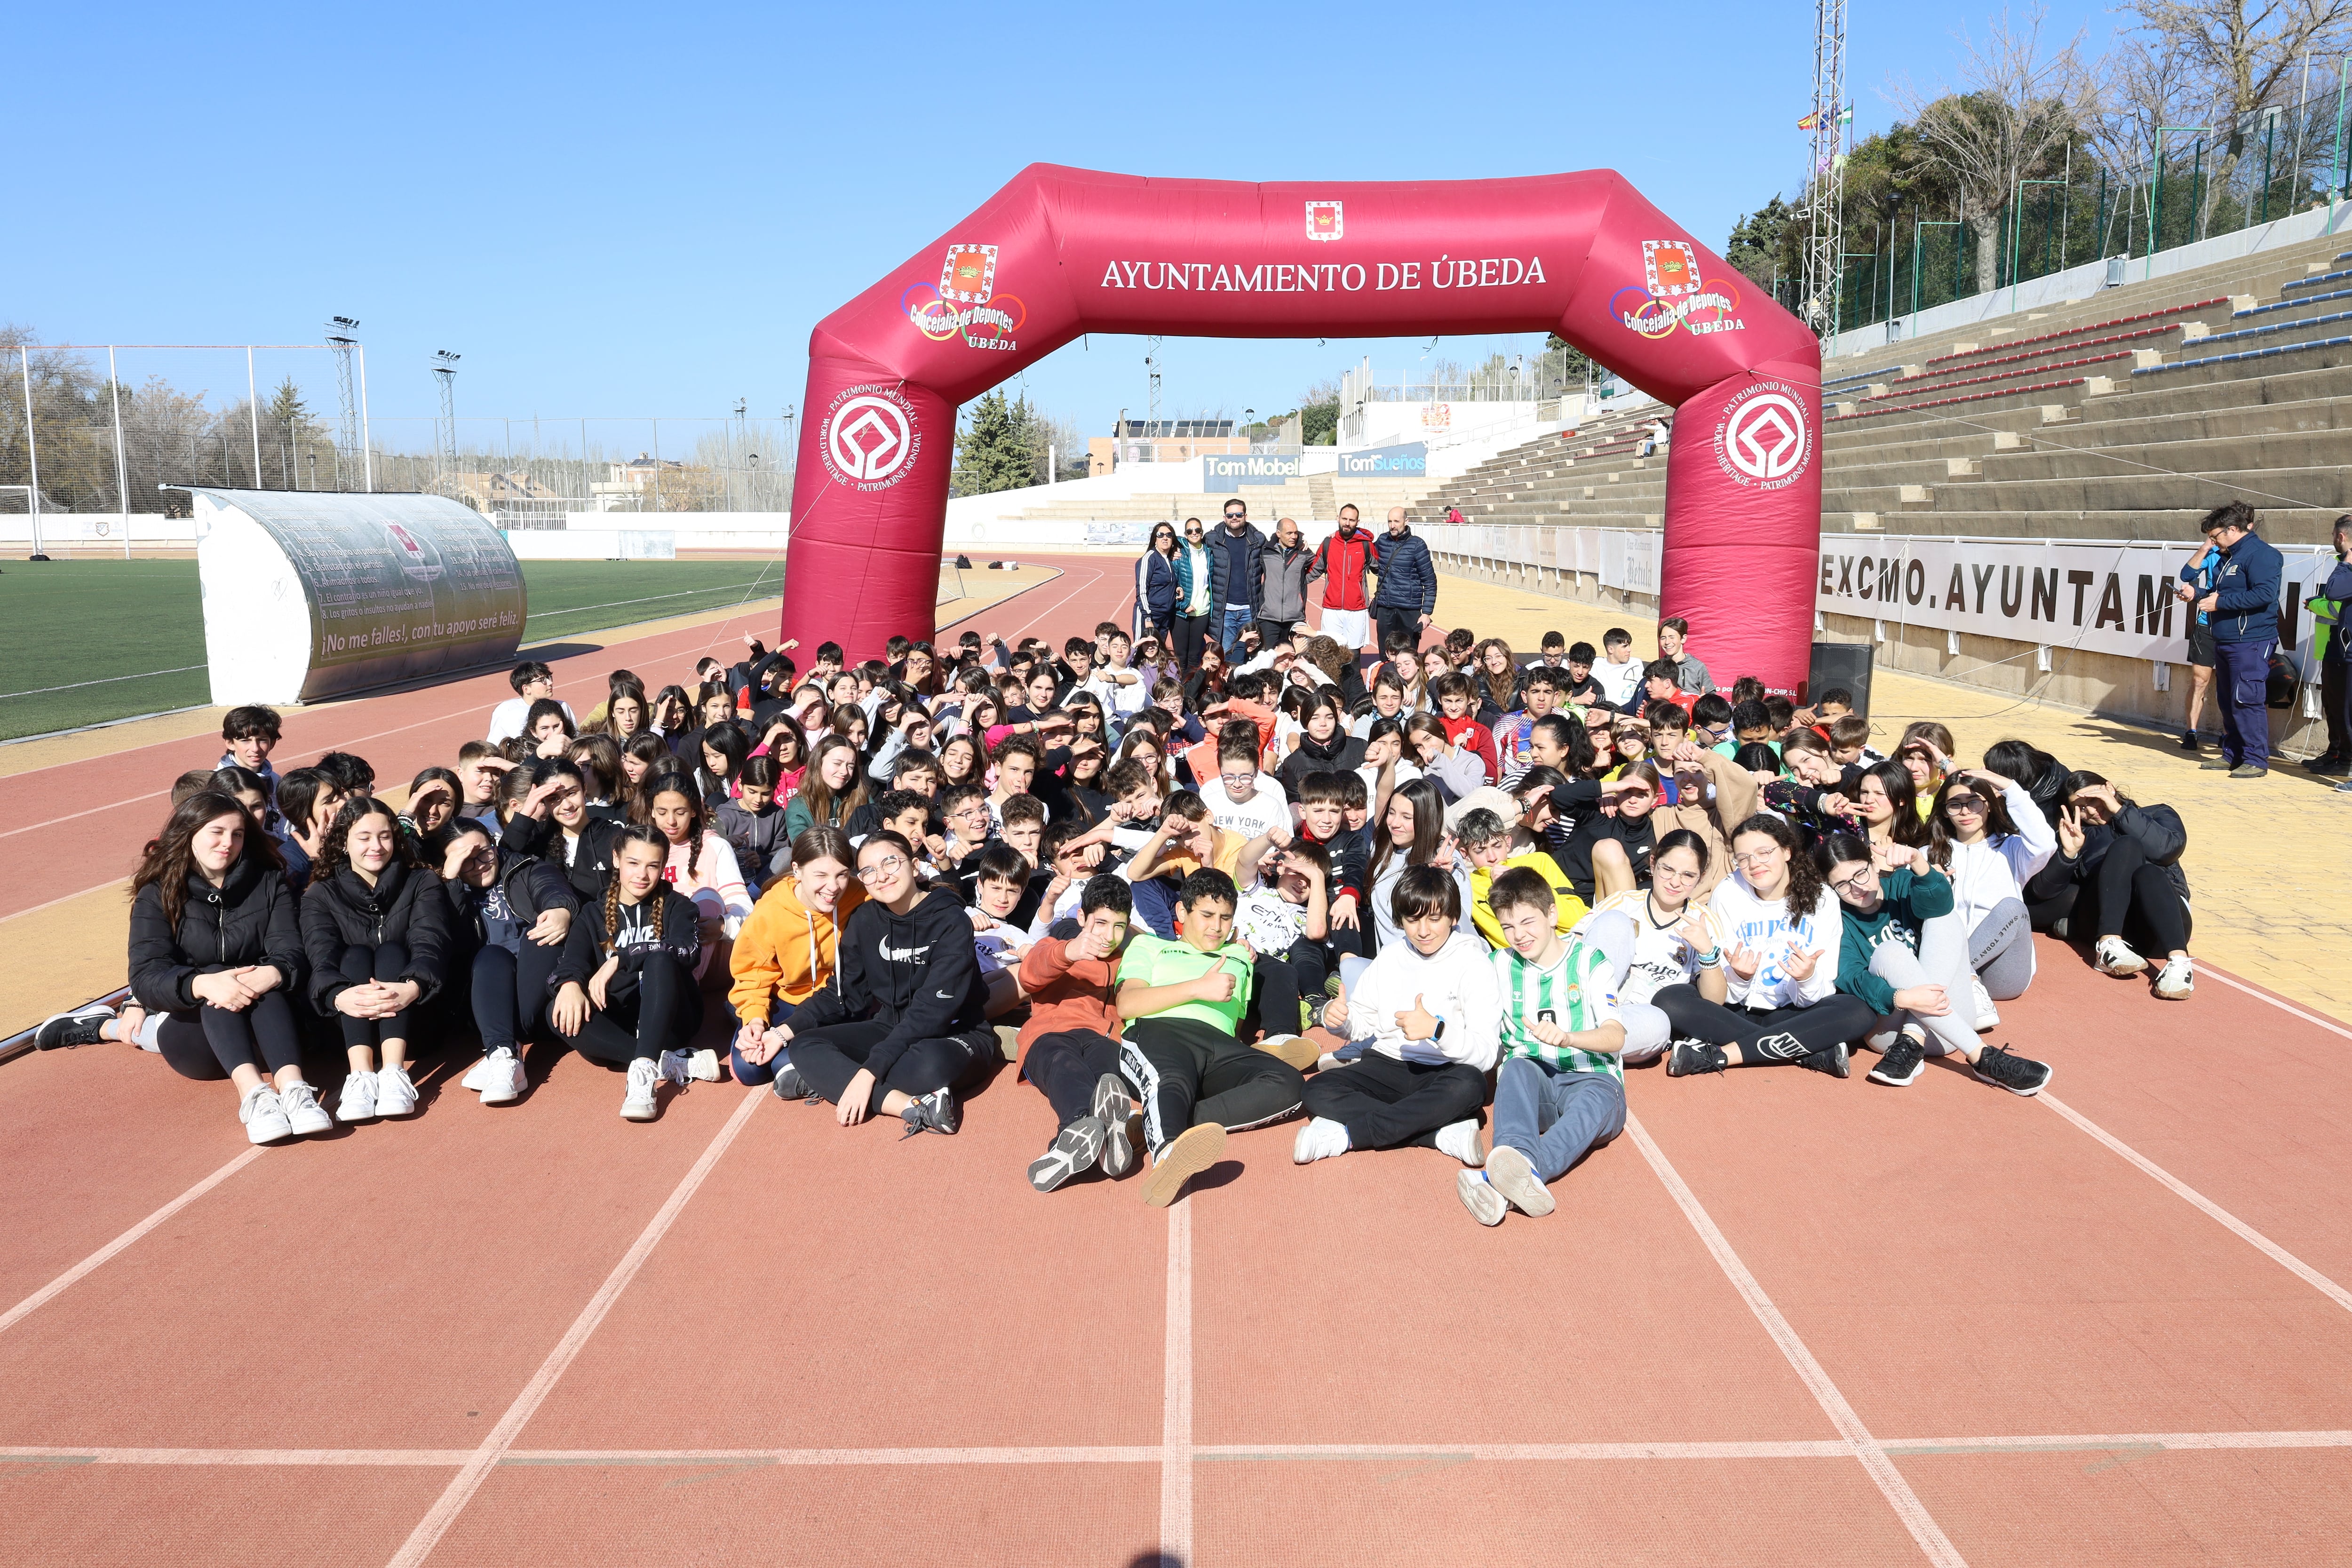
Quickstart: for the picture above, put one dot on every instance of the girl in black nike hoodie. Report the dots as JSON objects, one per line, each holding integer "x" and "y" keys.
{"x": 905, "y": 1021}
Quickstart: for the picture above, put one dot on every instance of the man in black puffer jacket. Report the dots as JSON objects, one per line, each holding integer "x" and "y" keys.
{"x": 1408, "y": 591}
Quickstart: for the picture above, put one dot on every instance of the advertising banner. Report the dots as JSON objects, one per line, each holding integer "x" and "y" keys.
{"x": 1407, "y": 459}
{"x": 310, "y": 594}
{"x": 1223, "y": 472}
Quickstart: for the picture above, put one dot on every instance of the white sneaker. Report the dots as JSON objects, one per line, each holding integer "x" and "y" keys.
{"x": 682, "y": 1068}
{"x": 1988, "y": 1016}
{"x": 1459, "y": 1139}
{"x": 501, "y": 1076}
{"x": 478, "y": 1077}
{"x": 264, "y": 1117}
{"x": 2175, "y": 981}
{"x": 637, "y": 1104}
{"x": 2116, "y": 957}
{"x": 357, "y": 1102}
{"x": 304, "y": 1114}
{"x": 395, "y": 1092}
{"x": 1320, "y": 1139}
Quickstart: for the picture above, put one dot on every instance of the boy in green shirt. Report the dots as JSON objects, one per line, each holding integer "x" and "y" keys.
{"x": 1183, "y": 1001}
{"x": 1560, "y": 1090}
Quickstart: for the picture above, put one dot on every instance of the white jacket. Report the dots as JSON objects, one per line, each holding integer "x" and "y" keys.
{"x": 1983, "y": 874}
{"x": 1764, "y": 928}
{"x": 1456, "y": 985}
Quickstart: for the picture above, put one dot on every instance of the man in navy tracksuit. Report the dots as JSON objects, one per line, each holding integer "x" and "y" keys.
{"x": 2244, "y": 611}
{"x": 1408, "y": 591}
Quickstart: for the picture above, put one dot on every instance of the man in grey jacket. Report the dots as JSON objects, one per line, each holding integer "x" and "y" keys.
{"x": 1282, "y": 566}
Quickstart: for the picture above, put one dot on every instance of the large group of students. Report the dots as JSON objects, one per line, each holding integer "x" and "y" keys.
{"x": 1186, "y": 887}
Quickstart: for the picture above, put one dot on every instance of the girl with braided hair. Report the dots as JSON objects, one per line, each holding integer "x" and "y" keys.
{"x": 626, "y": 993}
{"x": 700, "y": 863}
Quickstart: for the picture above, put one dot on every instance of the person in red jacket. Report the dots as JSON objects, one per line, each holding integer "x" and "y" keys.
{"x": 1340, "y": 564}
{"x": 1458, "y": 710}
{"x": 1069, "y": 1047}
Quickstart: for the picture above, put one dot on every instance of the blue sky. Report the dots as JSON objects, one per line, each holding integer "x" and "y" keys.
{"x": 643, "y": 210}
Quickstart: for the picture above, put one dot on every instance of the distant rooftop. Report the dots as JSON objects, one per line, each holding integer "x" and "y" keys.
{"x": 1162, "y": 428}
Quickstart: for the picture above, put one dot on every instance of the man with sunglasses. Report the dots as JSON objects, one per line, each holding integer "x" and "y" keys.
{"x": 1342, "y": 565}
{"x": 1234, "y": 576}
{"x": 1407, "y": 596}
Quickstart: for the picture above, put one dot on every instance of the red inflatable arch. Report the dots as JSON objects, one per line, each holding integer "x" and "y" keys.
{"x": 1059, "y": 252}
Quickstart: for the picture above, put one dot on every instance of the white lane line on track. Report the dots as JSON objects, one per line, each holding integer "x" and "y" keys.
{"x": 2212, "y": 1210}
{"x": 66, "y": 1282}
{"x": 2226, "y": 978}
{"x": 1890, "y": 1480}
{"x": 1152, "y": 1454}
{"x": 1176, "y": 1415}
{"x": 485, "y": 1459}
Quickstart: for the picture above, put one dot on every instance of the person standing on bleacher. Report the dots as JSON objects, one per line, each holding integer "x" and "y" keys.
{"x": 2242, "y": 609}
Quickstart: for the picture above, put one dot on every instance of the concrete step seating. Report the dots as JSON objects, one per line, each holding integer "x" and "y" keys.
{"x": 2142, "y": 319}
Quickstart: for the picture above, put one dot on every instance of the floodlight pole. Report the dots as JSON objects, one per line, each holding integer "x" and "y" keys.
{"x": 367, "y": 444}
{"x": 121, "y": 472}
{"x": 253, "y": 406}
{"x": 32, "y": 450}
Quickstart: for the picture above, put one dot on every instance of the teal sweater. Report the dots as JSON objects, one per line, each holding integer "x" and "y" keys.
{"x": 1908, "y": 903}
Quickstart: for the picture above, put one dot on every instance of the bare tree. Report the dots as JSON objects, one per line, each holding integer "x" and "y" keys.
{"x": 2236, "y": 58}
{"x": 2018, "y": 108}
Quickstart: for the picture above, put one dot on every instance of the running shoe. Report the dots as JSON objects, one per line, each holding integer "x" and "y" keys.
{"x": 1692, "y": 1056}
{"x": 1320, "y": 1139}
{"x": 2116, "y": 957}
{"x": 1114, "y": 1107}
{"x": 935, "y": 1112}
{"x": 2019, "y": 1075}
{"x": 2176, "y": 979}
{"x": 1180, "y": 1159}
{"x": 305, "y": 1117}
{"x": 1988, "y": 1016}
{"x": 790, "y": 1084}
{"x": 1075, "y": 1147}
{"x": 638, "y": 1104}
{"x": 357, "y": 1102}
{"x": 1900, "y": 1064}
{"x": 479, "y": 1075}
{"x": 1513, "y": 1177}
{"x": 1835, "y": 1061}
{"x": 502, "y": 1078}
{"x": 1296, "y": 1049}
{"x": 1459, "y": 1139}
{"x": 78, "y": 1027}
{"x": 263, "y": 1117}
{"x": 1478, "y": 1195}
{"x": 682, "y": 1068}
{"x": 395, "y": 1092}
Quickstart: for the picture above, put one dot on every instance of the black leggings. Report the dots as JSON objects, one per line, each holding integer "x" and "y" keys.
{"x": 830, "y": 1057}
{"x": 359, "y": 966}
{"x": 211, "y": 1042}
{"x": 1280, "y": 980}
{"x": 1818, "y": 1027}
{"x": 1191, "y": 632}
{"x": 2125, "y": 896}
{"x": 656, "y": 1009}
{"x": 1066, "y": 1066}
{"x": 1385, "y": 1103}
{"x": 509, "y": 993}
{"x": 1192, "y": 1073}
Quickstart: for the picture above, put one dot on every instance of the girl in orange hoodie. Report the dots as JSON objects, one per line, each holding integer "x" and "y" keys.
{"x": 789, "y": 945}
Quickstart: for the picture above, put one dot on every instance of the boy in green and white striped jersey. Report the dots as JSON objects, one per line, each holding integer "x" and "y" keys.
{"x": 1560, "y": 1091}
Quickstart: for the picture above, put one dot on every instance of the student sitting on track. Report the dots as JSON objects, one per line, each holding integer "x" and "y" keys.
{"x": 216, "y": 961}
{"x": 624, "y": 988}
{"x": 790, "y": 947}
{"x": 307, "y": 802}
{"x": 509, "y": 917}
{"x": 1667, "y": 935}
{"x": 554, "y": 821}
{"x": 532, "y": 682}
{"x": 906, "y": 959}
{"x": 251, "y": 733}
{"x": 2117, "y": 871}
{"x": 701, "y": 865}
{"x": 833, "y": 787}
{"x": 375, "y": 927}
{"x": 753, "y": 825}
{"x": 1560, "y": 1090}
{"x": 1990, "y": 838}
{"x": 1492, "y": 849}
{"x": 1183, "y": 1001}
{"x": 1070, "y": 1047}
{"x": 1283, "y": 917}
{"x": 1781, "y": 971}
{"x": 1426, "y": 1010}
{"x": 1904, "y": 951}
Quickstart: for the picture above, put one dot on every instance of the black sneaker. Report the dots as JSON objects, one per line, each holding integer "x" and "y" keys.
{"x": 1113, "y": 1106}
{"x": 78, "y": 1027}
{"x": 1777, "y": 1048}
{"x": 935, "y": 1112}
{"x": 1690, "y": 1055}
{"x": 791, "y": 1085}
{"x": 1076, "y": 1149}
{"x": 1899, "y": 1066}
{"x": 2188, "y": 739}
{"x": 2019, "y": 1075}
{"x": 1833, "y": 1060}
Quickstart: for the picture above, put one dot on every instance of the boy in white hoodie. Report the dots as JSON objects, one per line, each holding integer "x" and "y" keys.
{"x": 1427, "y": 1009}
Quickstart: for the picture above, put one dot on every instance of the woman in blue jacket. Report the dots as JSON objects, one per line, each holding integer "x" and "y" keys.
{"x": 1155, "y": 584}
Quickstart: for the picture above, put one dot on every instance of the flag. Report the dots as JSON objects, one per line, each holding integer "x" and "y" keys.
{"x": 1845, "y": 115}
{"x": 1811, "y": 122}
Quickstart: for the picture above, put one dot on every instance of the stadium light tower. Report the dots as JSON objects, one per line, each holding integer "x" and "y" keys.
{"x": 1825, "y": 236}
{"x": 343, "y": 337}
{"x": 444, "y": 366}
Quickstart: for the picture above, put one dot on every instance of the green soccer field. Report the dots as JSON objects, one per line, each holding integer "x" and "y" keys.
{"x": 85, "y": 641}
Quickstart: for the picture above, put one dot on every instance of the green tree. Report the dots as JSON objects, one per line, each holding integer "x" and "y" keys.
{"x": 1002, "y": 446}
{"x": 1763, "y": 244}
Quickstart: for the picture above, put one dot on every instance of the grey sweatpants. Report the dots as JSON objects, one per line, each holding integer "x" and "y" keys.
{"x": 2001, "y": 949}
{"x": 1646, "y": 1030}
{"x": 1553, "y": 1117}
{"x": 1942, "y": 960}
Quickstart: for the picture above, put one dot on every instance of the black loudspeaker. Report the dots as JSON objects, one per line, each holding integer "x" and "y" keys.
{"x": 1846, "y": 664}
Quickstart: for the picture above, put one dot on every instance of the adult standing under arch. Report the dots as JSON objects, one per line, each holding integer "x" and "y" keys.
{"x": 1342, "y": 569}
{"x": 1407, "y": 597}
{"x": 1155, "y": 586}
{"x": 1059, "y": 252}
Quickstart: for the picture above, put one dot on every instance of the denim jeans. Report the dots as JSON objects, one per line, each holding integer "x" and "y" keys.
{"x": 1230, "y": 624}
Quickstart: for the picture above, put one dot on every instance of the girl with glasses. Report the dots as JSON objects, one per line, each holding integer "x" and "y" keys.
{"x": 1990, "y": 840}
{"x": 906, "y": 1020}
{"x": 1781, "y": 1004}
